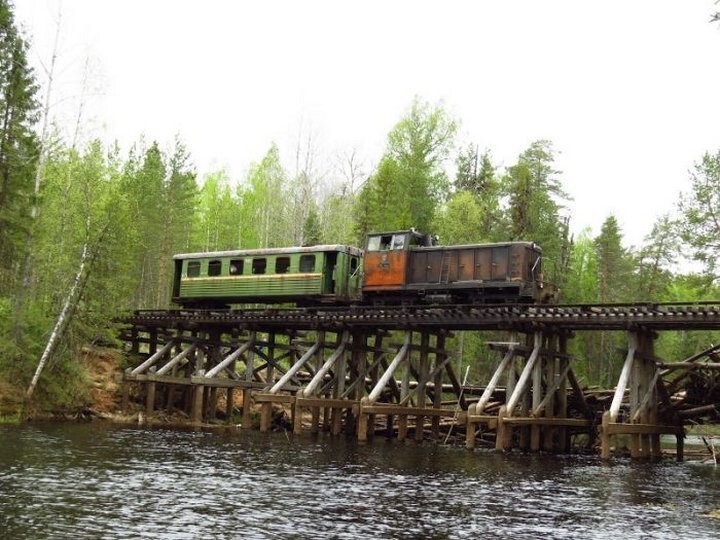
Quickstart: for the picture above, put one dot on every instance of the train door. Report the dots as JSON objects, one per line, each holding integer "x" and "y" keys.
{"x": 330, "y": 272}
{"x": 354, "y": 277}
{"x": 500, "y": 262}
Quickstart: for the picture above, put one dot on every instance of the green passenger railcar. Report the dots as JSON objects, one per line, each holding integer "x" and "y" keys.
{"x": 298, "y": 275}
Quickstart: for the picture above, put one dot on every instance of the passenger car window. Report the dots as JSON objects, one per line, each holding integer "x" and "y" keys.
{"x": 307, "y": 263}
{"x": 282, "y": 265}
{"x": 214, "y": 268}
{"x": 237, "y": 266}
{"x": 193, "y": 269}
{"x": 259, "y": 265}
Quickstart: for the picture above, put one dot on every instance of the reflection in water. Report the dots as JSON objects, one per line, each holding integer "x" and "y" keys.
{"x": 103, "y": 481}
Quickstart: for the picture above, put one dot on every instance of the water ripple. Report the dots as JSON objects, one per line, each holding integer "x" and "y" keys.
{"x": 100, "y": 481}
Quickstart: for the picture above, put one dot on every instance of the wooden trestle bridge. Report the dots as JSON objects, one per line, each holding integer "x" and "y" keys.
{"x": 361, "y": 370}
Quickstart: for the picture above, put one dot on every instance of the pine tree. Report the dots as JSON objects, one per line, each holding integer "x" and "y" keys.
{"x": 700, "y": 211}
{"x": 410, "y": 181}
{"x": 177, "y": 211}
{"x": 535, "y": 201}
{"x": 311, "y": 228}
{"x": 18, "y": 146}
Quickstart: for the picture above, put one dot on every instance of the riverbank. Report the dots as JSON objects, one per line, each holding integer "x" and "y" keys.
{"x": 96, "y": 391}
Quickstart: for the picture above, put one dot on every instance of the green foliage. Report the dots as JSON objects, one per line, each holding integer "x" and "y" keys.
{"x": 311, "y": 228}
{"x": 699, "y": 223}
{"x": 217, "y": 214}
{"x": 18, "y": 146}
{"x": 534, "y": 203}
{"x": 262, "y": 217}
{"x": 336, "y": 219}
{"x": 581, "y": 285}
{"x": 410, "y": 181}
{"x": 477, "y": 175}
{"x": 657, "y": 258}
{"x": 614, "y": 264}
{"x": 461, "y": 221}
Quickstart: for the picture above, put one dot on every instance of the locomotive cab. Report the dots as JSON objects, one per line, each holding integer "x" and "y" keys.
{"x": 386, "y": 261}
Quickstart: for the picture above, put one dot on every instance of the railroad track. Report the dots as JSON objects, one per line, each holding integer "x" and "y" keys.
{"x": 521, "y": 317}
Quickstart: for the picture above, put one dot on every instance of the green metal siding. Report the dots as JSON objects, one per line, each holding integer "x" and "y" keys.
{"x": 271, "y": 285}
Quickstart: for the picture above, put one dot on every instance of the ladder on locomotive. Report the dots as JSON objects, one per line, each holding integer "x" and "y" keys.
{"x": 448, "y": 257}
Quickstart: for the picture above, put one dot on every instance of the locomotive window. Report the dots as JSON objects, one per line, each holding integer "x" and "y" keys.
{"x": 307, "y": 263}
{"x": 282, "y": 265}
{"x": 353, "y": 265}
{"x": 236, "y": 266}
{"x": 214, "y": 268}
{"x": 193, "y": 269}
{"x": 380, "y": 243}
{"x": 259, "y": 265}
{"x": 398, "y": 241}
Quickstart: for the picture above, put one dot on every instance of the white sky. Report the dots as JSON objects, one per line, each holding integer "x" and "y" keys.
{"x": 628, "y": 91}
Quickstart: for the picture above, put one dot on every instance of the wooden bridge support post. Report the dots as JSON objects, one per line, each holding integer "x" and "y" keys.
{"x": 188, "y": 370}
{"x": 266, "y": 407}
{"x": 198, "y": 396}
{"x": 319, "y": 360}
{"x": 338, "y": 390}
{"x": 640, "y": 377}
{"x": 563, "y": 366}
{"x": 198, "y": 399}
{"x": 537, "y": 396}
{"x": 230, "y": 391}
{"x": 518, "y": 396}
{"x": 359, "y": 367}
{"x": 423, "y": 375}
{"x": 404, "y": 391}
{"x": 213, "y": 358}
{"x": 644, "y": 402}
{"x": 150, "y": 389}
{"x": 503, "y": 369}
{"x": 366, "y": 422}
{"x": 169, "y": 387}
{"x": 440, "y": 357}
{"x": 247, "y": 400}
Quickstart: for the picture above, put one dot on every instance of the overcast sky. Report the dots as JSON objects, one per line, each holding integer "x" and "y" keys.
{"x": 628, "y": 91}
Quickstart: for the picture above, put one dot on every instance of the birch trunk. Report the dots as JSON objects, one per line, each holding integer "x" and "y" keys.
{"x": 61, "y": 322}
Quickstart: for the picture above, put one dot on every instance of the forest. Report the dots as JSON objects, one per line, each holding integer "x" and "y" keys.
{"x": 87, "y": 230}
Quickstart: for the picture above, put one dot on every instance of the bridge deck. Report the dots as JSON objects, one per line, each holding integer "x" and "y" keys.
{"x": 517, "y": 317}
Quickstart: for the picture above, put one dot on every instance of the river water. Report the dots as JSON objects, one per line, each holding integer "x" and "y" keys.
{"x": 107, "y": 481}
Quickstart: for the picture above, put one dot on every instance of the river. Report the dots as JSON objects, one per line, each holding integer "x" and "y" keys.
{"x": 107, "y": 481}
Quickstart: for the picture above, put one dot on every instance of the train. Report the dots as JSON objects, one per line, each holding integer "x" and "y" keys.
{"x": 401, "y": 267}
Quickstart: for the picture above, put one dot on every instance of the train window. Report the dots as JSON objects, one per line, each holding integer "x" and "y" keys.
{"x": 259, "y": 265}
{"x": 353, "y": 265}
{"x": 237, "y": 266}
{"x": 214, "y": 268}
{"x": 307, "y": 263}
{"x": 380, "y": 243}
{"x": 282, "y": 265}
{"x": 398, "y": 241}
{"x": 193, "y": 269}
